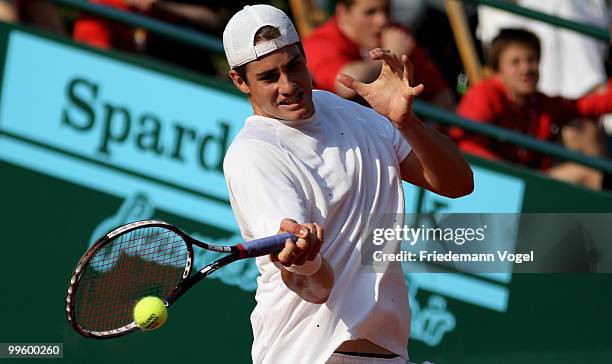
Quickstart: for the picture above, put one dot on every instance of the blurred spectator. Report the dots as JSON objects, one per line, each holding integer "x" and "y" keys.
{"x": 572, "y": 64}
{"x": 429, "y": 22}
{"x": 511, "y": 99}
{"x": 32, "y": 12}
{"x": 106, "y": 34}
{"x": 342, "y": 43}
{"x": 8, "y": 13}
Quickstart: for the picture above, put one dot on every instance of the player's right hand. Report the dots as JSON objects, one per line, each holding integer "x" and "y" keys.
{"x": 310, "y": 238}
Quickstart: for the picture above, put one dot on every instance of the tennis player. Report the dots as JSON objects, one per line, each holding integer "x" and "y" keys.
{"x": 320, "y": 166}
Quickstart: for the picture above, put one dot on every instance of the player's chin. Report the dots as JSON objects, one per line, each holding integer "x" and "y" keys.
{"x": 295, "y": 112}
{"x": 301, "y": 114}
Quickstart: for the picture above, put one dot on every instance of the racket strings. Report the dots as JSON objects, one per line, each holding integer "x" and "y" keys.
{"x": 144, "y": 262}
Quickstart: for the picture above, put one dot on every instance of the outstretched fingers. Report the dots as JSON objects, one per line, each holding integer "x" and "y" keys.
{"x": 350, "y": 82}
{"x": 408, "y": 69}
{"x": 390, "y": 59}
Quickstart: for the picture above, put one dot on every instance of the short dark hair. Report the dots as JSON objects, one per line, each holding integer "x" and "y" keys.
{"x": 509, "y": 36}
{"x": 264, "y": 33}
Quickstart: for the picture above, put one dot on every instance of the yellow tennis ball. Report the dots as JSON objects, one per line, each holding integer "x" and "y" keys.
{"x": 150, "y": 313}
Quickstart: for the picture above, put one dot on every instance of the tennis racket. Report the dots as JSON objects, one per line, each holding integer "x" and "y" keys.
{"x": 144, "y": 258}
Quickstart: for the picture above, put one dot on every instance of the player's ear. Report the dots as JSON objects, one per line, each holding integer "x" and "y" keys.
{"x": 239, "y": 82}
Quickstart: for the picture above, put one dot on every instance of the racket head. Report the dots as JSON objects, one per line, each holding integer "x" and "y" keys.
{"x": 143, "y": 258}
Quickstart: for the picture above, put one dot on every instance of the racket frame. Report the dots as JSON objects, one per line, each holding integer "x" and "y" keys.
{"x": 99, "y": 244}
{"x": 235, "y": 252}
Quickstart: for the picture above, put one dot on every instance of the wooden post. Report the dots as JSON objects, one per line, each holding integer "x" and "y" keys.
{"x": 463, "y": 38}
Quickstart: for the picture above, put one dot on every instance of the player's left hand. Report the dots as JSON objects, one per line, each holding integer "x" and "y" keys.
{"x": 392, "y": 93}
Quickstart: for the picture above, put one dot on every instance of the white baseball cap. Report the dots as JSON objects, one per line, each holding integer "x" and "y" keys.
{"x": 239, "y": 34}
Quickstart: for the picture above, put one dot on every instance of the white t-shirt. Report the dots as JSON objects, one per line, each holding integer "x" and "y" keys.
{"x": 337, "y": 169}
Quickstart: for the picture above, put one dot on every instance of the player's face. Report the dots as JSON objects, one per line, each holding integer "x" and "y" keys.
{"x": 519, "y": 69}
{"x": 279, "y": 85}
{"x": 364, "y": 21}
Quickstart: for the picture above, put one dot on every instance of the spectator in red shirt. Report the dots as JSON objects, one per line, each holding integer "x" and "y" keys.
{"x": 342, "y": 43}
{"x": 510, "y": 99}
{"x": 104, "y": 33}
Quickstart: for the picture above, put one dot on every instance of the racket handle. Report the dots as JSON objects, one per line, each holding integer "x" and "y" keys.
{"x": 264, "y": 246}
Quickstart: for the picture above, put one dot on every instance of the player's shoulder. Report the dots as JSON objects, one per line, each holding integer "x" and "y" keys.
{"x": 328, "y": 100}
{"x": 254, "y": 142}
{"x": 346, "y": 112}
{"x": 331, "y": 102}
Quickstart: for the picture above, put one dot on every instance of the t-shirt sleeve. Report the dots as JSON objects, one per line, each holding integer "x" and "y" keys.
{"x": 400, "y": 145}
{"x": 263, "y": 190}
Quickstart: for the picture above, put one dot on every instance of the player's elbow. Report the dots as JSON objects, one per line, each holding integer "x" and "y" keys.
{"x": 466, "y": 190}
{"x": 462, "y": 186}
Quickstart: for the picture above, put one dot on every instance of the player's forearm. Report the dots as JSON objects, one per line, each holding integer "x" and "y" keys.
{"x": 312, "y": 288}
{"x": 444, "y": 168}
